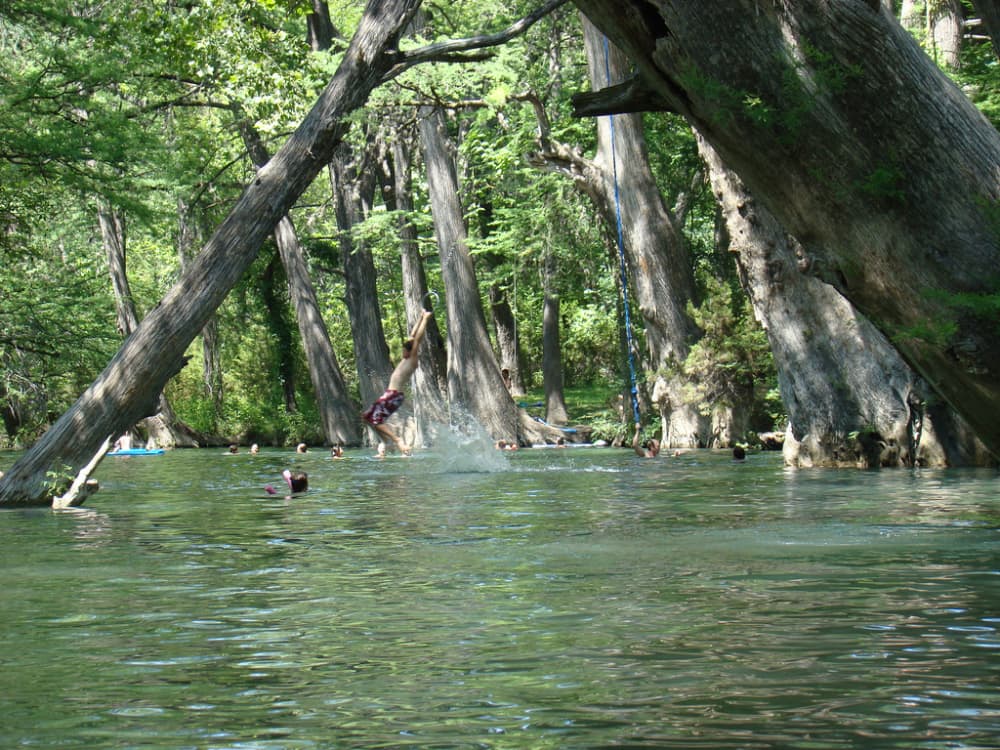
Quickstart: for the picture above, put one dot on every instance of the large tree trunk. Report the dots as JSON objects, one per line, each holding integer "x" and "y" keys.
{"x": 475, "y": 387}
{"x": 620, "y": 180}
{"x": 353, "y": 182}
{"x": 129, "y": 387}
{"x": 862, "y": 149}
{"x": 112, "y": 225}
{"x": 508, "y": 343}
{"x": 320, "y": 31}
{"x": 946, "y": 31}
{"x": 851, "y": 399}
{"x": 657, "y": 255}
{"x": 338, "y": 413}
{"x": 430, "y": 381}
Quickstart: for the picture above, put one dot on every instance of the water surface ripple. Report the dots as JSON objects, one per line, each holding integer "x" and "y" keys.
{"x": 575, "y": 598}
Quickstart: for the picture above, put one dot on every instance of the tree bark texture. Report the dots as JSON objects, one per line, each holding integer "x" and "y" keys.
{"x": 337, "y": 411}
{"x": 946, "y": 32}
{"x": 508, "y": 344}
{"x": 552, "y": 366}
{"x": 475, "y": 387}
{"x": 129, "y": 387}
{"x": 851, "y": 399}
{"x": 863, "y": 150}
{"x": 552, "y": 363}
{"x": 112, "y": 225}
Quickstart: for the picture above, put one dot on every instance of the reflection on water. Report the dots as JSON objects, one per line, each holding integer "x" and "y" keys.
{"x": 466, "y": 597}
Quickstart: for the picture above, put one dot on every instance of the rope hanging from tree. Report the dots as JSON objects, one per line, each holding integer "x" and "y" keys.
{"x": 633, "y": 387}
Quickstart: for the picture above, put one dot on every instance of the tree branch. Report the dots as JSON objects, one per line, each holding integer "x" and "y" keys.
{"x": 451, "y": 50}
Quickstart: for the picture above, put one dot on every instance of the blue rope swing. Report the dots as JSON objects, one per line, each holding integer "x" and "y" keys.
{"x": 634, "y": 389}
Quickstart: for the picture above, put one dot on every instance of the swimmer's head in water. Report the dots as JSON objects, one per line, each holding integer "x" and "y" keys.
{"x": 298, "y": 481}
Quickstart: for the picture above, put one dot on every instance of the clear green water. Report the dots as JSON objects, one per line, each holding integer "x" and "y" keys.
{"x": 465, "y": 598}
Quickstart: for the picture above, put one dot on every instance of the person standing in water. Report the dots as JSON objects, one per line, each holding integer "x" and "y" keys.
{"x": 389, "y": 402}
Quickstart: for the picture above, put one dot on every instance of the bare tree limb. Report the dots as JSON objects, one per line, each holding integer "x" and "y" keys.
{"x": 451, "y": 51}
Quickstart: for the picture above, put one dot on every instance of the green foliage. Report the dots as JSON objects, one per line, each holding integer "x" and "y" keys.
{"x": 57, "y": 323}
{"x": 732, "y": 361}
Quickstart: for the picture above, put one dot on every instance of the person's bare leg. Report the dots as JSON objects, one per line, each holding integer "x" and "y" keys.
{"x": 386, "y": 433}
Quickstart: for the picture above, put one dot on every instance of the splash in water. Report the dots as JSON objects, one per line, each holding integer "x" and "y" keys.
{"x": 466, "y": 450}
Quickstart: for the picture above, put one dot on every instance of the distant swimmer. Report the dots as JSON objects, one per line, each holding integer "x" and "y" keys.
{"x": 297, "y": 481}
{"x": 650, "y": 449}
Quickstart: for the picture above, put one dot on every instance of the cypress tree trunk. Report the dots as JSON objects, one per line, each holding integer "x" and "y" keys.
{"x": 657, "y": 256}
{"x": 851, "y": 399}
{"x": 862, "y": 149}
{"x": 353, "y": 183}
{"x": 508, "y": 344}
{"x": 475, "y": 387}
{"x": 430, "y": 381}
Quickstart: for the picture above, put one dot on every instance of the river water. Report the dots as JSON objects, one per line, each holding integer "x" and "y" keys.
{"x": 468, "y": 598}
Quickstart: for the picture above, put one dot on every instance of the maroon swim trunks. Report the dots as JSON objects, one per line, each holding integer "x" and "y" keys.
{"x": 384, "y": 407}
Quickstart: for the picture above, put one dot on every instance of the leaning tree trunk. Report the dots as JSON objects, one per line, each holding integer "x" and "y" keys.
{"x": 338, "y": 413}
{"x": 862, "y": 149}
{"x": 850, "y": 397}
{"x": 129, "y": 387}
{"x": 475, "y": 387}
